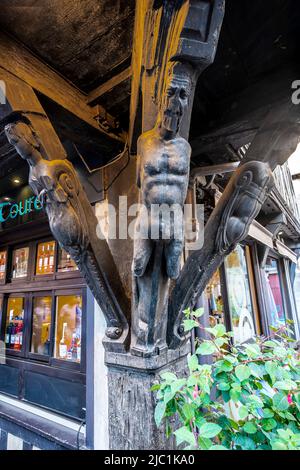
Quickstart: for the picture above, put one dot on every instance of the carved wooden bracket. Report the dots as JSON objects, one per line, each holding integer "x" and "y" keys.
{"x": 73, "y": 224}
{"x": 227, "y": 226}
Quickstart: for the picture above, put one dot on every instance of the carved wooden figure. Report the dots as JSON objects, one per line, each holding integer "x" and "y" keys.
{"x": 163, "y": 176}
{"x": 72, "y": 221}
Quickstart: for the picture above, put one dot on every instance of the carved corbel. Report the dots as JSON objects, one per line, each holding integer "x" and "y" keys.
{"x": 227, "y": 226}
{"x": 73, "y": 224}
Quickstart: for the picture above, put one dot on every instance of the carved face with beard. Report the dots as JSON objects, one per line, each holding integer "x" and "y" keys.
{"x": 175, "y": 102}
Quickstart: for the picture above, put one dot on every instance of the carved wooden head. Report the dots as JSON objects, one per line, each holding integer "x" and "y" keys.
{"x": 175, "y": 101}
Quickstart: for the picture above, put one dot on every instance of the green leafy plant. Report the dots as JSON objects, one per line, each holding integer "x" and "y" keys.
{"x": 248, "y": 399}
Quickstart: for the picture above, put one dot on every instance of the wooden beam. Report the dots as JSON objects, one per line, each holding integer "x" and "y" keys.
{"x": 109, "y": 85}
{"x": 20, "y": 62}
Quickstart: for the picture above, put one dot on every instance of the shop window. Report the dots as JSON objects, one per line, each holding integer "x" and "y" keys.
{"x": 273, "y": 293}
{"x": 239, "y": 295}
{"x": 68, "y": 327}
{"x": 2, "y": 264}
{"x": 41, "y": 325}
{"x": 65, "y": 262}
{"x": 20, "y": 262}
{"x": 14, "y": 323}
{"x": 45, "y": 261}
{"x": 297, "y": 286}
{"x": 215, "y": 300}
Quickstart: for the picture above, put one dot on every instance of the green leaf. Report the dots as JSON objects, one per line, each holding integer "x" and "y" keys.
{"x": 193, "y": 363}
{"x": 269, "y": 424}
{"x": 189, "y": 325}
{"x": 243, "y": 412}
{"x": 199, "y": 312}
{"x": 285, "y": 434}
{"x": 155, "y": 387}
{"x": 278, "y": 445}
{"x": 257, "y": 370}
{"x": 223, "y": 386}
{"x": 209, "y": 430}
{"x": 159, "y": 412}
{"x": 223, "y": 366}
{"x": 218, "y": 447}
{"x": 280, "y": 401}
{"x": 268, "y": 413}
{"x": 168, "y": 376}
{"x": 253, "y": 350}
{"x": 188, "y": 412}
{"x": 220, "y": 330}
{"x": 177, "y": 385}
{"x": 250, "y": 427}
{"x": 187, "y": 312}
{"x": 184, "y": 435}
{"x": 285, "y": 385}
{"x": 270, "y": 344}
{"x": 245, "y": 442}
{"x": 204, "y": 443}
{"x": 271, "y": 368}
{"x": 235, "y": 395}
{"x": 206, "y": 348}
{"x": 242, "y": 372}
{"x": 280, "y": 352}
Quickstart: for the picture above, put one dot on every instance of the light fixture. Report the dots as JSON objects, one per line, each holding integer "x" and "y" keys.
{"x": 16, "y": 180}
{"x": 6, "y": 198}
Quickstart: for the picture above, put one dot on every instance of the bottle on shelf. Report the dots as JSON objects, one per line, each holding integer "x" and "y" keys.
{"x": 46, "y": 260}
{"x": 51, "y": 258}
{"x": 8, "y": 335}
{"x": 63, "y": 349}
{"x": 41, "y": 260}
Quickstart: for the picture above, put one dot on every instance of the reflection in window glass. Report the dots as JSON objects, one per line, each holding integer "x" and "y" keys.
{"x": 41, "y": 325}
{"x": 14, "y": 323}
{"x": 20, "y": 263}
{"x": 68, "y": 327}
{"x": 297, "y": 286}
{"x": 2, "y": 264}
{"x": 273, "y": 295}
{"x": 239, "y": 296}
{"x": 65, "y": 262}
{"x": 215, "y": 300}
{"x": 45, "y": 258}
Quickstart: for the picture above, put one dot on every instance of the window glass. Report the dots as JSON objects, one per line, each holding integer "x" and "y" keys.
{"x": 20, "y": 262}
{"x": 2, "y": 264}
{"x": 68, "y": 327}
{"x": 14, "y": 323}
{"x": 297, "y": 286}
{"x": 215, "y": 300}
{"x": 45, "y": 258}
{"x": 273, "y": 295}
{"x": 41, "y": 325}
{"x": 239, "y": 296}
{"x": 65, "y": 262}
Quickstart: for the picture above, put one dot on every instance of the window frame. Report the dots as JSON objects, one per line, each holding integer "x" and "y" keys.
{"x": 33, "y": 285}
{"x": 225, "y": 291}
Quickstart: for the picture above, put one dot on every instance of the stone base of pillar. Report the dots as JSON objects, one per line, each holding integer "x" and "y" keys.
{"x": 132, "y": 404}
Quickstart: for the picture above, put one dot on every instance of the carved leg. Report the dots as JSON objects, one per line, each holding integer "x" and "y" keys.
{"x": 149, "y": 307}
{"x": 141, "y": 256}
{"x": 173, "y": 252}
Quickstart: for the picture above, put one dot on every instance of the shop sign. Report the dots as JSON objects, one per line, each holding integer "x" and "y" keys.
{"x": 10, "y": 210}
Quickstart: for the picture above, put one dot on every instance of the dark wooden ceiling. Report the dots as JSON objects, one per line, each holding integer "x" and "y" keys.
{"x": 87, "y": 41}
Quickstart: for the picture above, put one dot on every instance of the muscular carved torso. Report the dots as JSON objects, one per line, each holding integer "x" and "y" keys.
{"x": 164, "y": 169}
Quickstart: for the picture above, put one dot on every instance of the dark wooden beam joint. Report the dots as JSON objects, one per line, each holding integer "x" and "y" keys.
{"x": 73, "y": 224}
